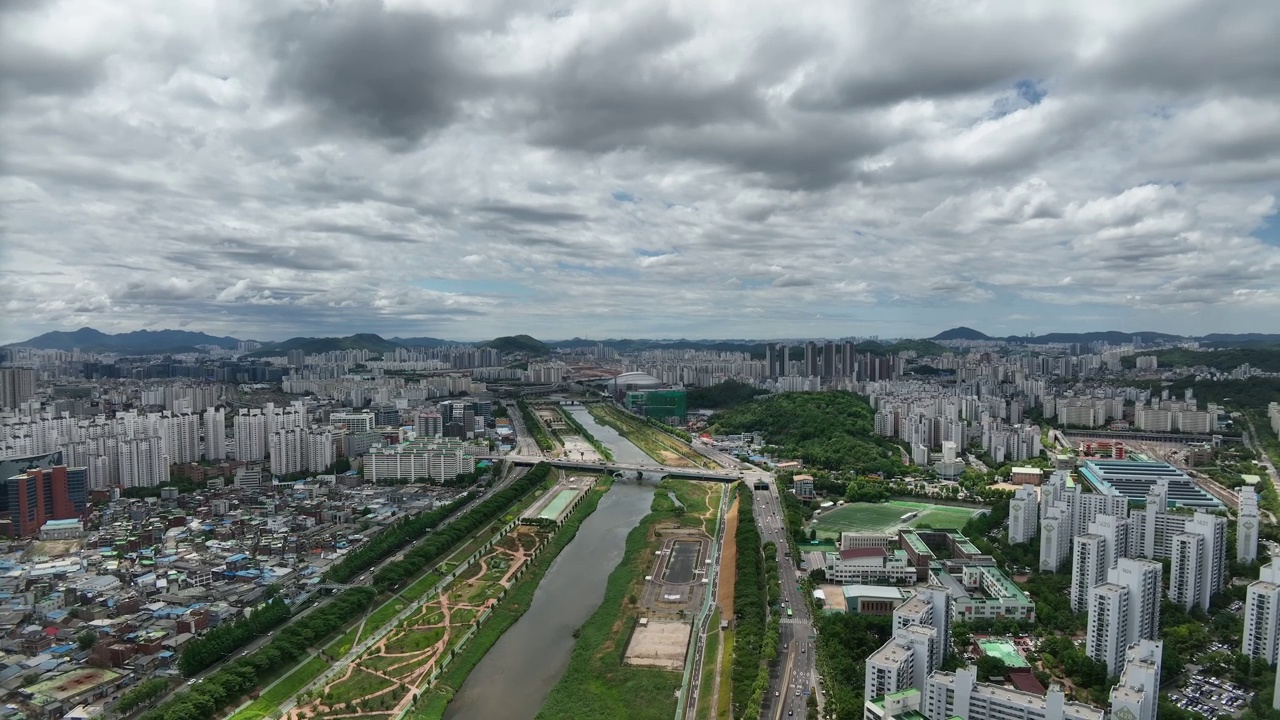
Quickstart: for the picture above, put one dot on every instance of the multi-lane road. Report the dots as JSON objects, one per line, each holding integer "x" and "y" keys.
{"x": 794, "y": 675}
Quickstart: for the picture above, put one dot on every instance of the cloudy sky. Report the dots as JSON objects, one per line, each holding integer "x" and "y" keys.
{"x": 639, "y": 169}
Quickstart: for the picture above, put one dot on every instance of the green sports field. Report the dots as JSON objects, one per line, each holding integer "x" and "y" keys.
{"x": 884, "y": 517}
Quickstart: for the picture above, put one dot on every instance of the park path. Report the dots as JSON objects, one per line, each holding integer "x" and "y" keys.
{"x": 444, "y": 605}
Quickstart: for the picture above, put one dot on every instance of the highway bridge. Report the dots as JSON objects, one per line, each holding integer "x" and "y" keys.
{"x": 612, "y": 467}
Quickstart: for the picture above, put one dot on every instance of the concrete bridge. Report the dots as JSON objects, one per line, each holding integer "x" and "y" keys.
{"x": 613, "y": 467}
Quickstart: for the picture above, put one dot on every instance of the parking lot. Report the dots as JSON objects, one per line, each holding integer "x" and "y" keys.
{"x": 1211, "y": 697}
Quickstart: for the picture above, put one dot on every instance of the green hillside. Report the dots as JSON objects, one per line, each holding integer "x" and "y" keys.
{"x": 519, "y": 344}
{"x": 829, "y": 430}
{"x": 359, "y": 341}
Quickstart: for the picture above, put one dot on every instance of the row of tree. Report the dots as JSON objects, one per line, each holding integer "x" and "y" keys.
{"x": 749, "y": 674}
{"x": 208, "y": 698}
{"x": 225, "y": 639}
{"x": 390, "y": 541}
{"x": 145, "y": 692}
{"x": 395, "y": 574}
{"x": 533, "y": 426}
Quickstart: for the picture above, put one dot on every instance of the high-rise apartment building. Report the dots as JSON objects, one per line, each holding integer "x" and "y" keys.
{"x": 1123, "y": 610}
{"x": 1199, "y": 561}
{"x": 1261, "y": 637}
{"x": 17, "y": 385}
{"x": 31, "y": 499}
{"x": 215, "y": 434}
{"x": 1024, "y": 515}
{"x": 931, "y": 606}
{"x": 1247, "y": 526}
{"x": 141, "y": 463}
{"x": 250, "y": 435}
{"x": 1137, "y": 695}
{"x": 1088, "y": 569}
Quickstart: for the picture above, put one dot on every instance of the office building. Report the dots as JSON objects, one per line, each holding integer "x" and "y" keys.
{"x": 1137, "y": 695}
{"x": 1122, "y": 610}
{"x": 1261, "y": 638}
{"x": 1247, "y": 526}
{"x": 297, "y": 358}
{"x": 356, "y": 422}
{"x": 1199, "y": 561}
{"x": 32, "y": 498}
{"x": 1024, "y": 515}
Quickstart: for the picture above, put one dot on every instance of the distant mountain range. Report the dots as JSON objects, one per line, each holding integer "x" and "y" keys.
{"x": 159, "y": 342}
{"x": 1113, "y": 337}
{"x": 139, "y": 342}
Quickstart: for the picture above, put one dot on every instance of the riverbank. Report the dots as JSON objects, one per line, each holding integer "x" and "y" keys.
{"x": 596, "y": 684}
{"x": 658, "y": 445}
{"x": 585, "y": 434}
{"x": 435, "y": 702}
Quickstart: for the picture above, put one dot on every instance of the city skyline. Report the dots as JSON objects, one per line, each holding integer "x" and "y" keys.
{"x": 630, "y": 170}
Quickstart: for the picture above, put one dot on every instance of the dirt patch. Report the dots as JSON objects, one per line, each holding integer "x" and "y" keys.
{"x": 728, "y": 561}
{"x": 659, "y": 644}
{"x": 671, "y": 459}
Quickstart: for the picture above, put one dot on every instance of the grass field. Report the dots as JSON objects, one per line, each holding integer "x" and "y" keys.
{"x": 885, "y": 517}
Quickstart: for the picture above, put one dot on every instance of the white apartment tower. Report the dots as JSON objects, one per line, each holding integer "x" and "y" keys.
{"x": 1088, "y": 569}
{"x": 903, "y": 662}
{"x": 1261, "y": 637}
{"x": 251, "y": 435}
{"x": 182, "y": 437}
{"x": 215, "y": 434}
{"x": 1199, "y": 561}
{"x": 1065, "y": 512}
{"x": 1024, "y": 515}
{"x": 1247, "y": 526}
{"x": 1137, "y": 695}
{"x": 931, "y": 606}
{"x": 142, "y": 463}
{"x": 1123, "y": 610}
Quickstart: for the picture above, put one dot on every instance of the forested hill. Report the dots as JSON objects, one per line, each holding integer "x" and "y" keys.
{"x": 828, "y": 430}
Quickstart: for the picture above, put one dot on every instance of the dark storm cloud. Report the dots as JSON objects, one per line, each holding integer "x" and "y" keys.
{"x": 392, "y": 74}
{"x": 1226, "y": 47}
{"x": 532, "y": 215}
{"x": 612, "y": 91}
{"x": 34, "y": 71}
{"x": 909, "y": 53}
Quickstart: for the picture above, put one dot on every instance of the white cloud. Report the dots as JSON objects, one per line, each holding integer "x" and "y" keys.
{"x": 276, "y": 168}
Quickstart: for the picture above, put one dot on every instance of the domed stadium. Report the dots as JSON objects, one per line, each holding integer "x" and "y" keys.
{"x": 632, "y": 381}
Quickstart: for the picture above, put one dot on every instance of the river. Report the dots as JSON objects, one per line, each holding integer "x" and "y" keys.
{"x": 517, "y": 674}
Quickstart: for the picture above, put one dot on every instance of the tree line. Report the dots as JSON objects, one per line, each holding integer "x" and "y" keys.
{"x": 724, "y": 395}
{"x": 749, "y": 675}
{"x": 218, "y": 643}
{"x": 534, "y": 426}
{"x": 395, "y": 574}
{"x": 206, "y": 699}
{"x": 390, "y": 541}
